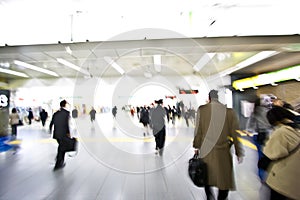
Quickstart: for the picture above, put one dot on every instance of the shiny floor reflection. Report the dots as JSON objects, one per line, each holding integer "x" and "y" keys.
{"x": 114, "y": 162}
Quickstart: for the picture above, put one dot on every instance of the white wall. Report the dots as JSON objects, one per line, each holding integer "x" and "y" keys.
{"x": 115, "y": 91}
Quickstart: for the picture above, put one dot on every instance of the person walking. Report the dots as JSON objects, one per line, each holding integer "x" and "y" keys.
{"x": 92, "y": 114}
{"x": 283, "y": 150}
{"x": 258, "y": 123}
{"x": 74, "y": 113}
{"x": 30, "y": 115}
{"x": 43, "y": 116}
{"x": 157, "y": 120}
{"x": 60, "y": 121}
{"x": 114, "y": 111}
{"x": 215, "y": 131}
{"x": 14, "y": 121}
{"x": 144, "y": 119}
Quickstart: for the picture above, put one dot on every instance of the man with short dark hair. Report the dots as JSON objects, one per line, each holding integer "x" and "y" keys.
{"x": 60, "y": 121}
{"x": 215, "y": 130}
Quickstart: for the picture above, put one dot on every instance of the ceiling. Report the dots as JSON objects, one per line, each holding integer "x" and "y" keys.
{"x": 49, "y": 21}
{"x": 209, "y": 38}
{"x": 178, "y": 56}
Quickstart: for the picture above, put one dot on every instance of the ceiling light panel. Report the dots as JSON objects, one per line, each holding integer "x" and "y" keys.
{"x": 73, "y": 66}
{"x": 32, "y": 67}
{"x": 12, "y": 72}
{"x": 114, "y": 65}
{"x": 157, "y": 62}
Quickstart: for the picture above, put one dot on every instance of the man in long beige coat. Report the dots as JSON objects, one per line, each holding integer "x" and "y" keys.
{"x": 215, "y": 131}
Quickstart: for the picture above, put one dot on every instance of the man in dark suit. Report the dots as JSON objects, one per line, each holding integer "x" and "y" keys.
{"x": 60, "y": 120}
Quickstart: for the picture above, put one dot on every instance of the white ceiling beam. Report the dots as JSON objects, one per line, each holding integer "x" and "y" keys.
{"x": 253, "y": 59}
{"x": 203, "y": 61}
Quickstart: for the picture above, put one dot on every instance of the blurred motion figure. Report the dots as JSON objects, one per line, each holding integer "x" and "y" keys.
{"x": 14, "y": 121}
{"x": 43, "y": 116}
{"x": 283, "y": 149}
{"x": 259, "y": 124}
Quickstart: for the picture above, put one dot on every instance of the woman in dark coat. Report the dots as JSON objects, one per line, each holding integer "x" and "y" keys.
{"x": 144, "y": 119}
{"x": 43, "y": 116}
{"x": 30, "y": 115}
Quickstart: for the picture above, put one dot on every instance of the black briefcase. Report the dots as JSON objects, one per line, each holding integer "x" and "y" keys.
{"x": 198, "y": 171}
{"x": 69, "y": 144}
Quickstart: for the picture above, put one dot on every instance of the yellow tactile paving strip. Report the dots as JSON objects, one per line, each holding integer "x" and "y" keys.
{"x": 245, "y": 142}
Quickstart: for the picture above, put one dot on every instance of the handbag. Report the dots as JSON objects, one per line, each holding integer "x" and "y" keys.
{"x": 69, "y": 144}
{"x": 197, "y": 171}
{"x": 20, "y": 123}
{"x": 264, "y": 162}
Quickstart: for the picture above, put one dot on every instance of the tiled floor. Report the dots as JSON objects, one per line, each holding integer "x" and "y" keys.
{"x": 114, "y": 162}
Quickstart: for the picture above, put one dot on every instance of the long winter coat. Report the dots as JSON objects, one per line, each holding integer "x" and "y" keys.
{"x": 157, "y": 120}
{"x": 284, "y": 174}
{"x": 214, "y": 126}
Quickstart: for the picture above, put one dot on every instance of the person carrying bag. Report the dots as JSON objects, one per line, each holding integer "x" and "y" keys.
{"x": 197, "y": 171}
{"x": 282, "y": 152}
{"x": 215, "y": 123}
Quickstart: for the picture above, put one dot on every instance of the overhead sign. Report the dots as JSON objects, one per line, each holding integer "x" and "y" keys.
{"x": 188, "y": 91}
{"x": 170, "y": 97}
{"x": 4, "y": 99}
{"x": 272, "y": 78}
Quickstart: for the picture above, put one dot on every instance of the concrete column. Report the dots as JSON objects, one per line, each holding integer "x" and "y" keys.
{"x": 4, "y": 112}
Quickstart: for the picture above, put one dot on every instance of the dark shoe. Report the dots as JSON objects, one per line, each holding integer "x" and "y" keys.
{"x": 59, "y": 167}
{"x": 160, "y": 152}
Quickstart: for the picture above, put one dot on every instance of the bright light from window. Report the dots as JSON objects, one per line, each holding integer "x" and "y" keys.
{"x": 149, "y": 93}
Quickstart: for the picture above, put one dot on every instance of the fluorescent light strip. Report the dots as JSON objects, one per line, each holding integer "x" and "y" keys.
{"x": 268, "y": 78}
{"x": 68, "y": 50}
{"x": 114, "y": 65}
{"x": 157, "y": 62}
{"x": 8, "y": 71}
{"x": 72, "y": 66}
{"x": 203, "y": 61}
{"x": 253, "y": 59}
{"x": 29, "y": 66}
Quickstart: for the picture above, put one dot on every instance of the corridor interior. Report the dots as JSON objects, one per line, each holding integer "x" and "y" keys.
{"x": 113, "y": 163}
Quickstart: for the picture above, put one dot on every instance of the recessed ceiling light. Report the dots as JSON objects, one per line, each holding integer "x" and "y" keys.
{"x": 72, "y": 66}
{"x": 39, "y": 69}
{"x": 114, "y": 65}
{"x": 8, "y": 71}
